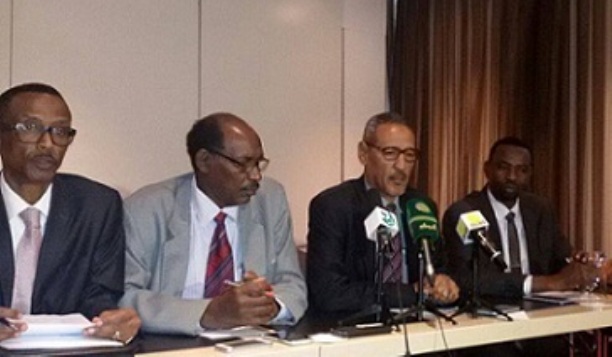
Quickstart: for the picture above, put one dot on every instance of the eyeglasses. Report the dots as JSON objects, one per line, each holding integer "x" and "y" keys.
{"x": 246, "y": 167}
{"x": 391, "y": 153}
{"x": 31, "y": 132}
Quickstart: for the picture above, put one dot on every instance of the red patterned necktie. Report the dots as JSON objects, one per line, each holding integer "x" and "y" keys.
{"x": 220, "y": 261}
{"x": 26, "y": 259}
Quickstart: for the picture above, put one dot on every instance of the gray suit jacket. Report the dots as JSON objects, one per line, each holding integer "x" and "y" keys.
{"x": 157, "y": 223}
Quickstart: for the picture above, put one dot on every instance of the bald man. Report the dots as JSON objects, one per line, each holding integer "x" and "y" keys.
{"x": 213, "y": 248}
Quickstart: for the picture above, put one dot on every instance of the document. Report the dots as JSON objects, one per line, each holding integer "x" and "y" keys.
{"x": 241, "y": 331}
{"x": 56, "y": 332}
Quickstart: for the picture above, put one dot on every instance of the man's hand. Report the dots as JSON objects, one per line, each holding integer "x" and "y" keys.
{"x": 251, "y": 303}
{"x": 15, "y": 327}
{"x": 573, "y": 276}
{"x": 444, "y": 289}
{"x": 118, "y": 324}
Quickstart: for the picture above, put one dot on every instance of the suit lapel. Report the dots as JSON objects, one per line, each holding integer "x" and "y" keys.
{"x": 529, "y": 218}
{"x": 485, "y": 207}
{"x": 362, "y": 208}
{"x": 178, "y": 241}
{"x": 251, "y": 236}
{"x": 7, "y": 266}
{"x": 57, "y": 237}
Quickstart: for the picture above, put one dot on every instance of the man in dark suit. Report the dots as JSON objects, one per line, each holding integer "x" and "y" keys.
{"x": 523, "y": 226}
{"x": 68, "y": 255}
{"x": 540, "y": 262}
{"x": 341, "y": 263}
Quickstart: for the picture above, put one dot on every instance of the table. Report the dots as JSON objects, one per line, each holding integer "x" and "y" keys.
{"x": 435, "y": 336}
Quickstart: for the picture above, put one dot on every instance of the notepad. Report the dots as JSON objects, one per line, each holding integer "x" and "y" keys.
{"x": 56, "y": 332}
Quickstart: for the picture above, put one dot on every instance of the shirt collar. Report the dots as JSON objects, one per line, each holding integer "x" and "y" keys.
{"x": 205, "y": 209}
{"x": 500, "y": 209}
{"x": 14, "y": 204}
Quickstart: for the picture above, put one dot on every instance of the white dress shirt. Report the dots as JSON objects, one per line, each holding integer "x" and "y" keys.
{"x": 203, "y": 211}
{"x": 14, "y": 205}
{"x": 501, "y": 211}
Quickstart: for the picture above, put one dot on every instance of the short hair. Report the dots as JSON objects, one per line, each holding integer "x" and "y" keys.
{"x": 379, "y": 119}
{"x": 9, "y": 94}
{"x": 510, "y": 141}
{"x": 207, "y": 133}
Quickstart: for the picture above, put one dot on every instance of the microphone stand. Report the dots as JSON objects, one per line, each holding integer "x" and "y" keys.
{"x": 475, "y": 303}
{"x": 422, "y": 303}
{"x": 379, "y": 310}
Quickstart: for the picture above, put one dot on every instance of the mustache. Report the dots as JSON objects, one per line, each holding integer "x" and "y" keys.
{"x": 399, "y": 175}
{"x": 45, "y": 156}
{"x": 251, "y": 187}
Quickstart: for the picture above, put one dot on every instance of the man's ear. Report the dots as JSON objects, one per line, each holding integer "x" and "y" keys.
{"x": 362, "y": 152}
{"x": 202, "y": 160}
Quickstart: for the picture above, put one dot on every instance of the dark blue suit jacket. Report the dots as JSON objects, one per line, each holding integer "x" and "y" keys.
{"x": 81, "y": 261}
{"x": 341, "y": 262}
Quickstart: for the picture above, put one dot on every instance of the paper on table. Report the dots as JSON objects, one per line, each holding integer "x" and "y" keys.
{"x": 241, "y": 331}
{"x": 56, "y": 332}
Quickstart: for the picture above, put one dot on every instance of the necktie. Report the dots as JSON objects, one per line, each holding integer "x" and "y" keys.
{"x": 392, "y": 271}
{"x": 513, "y": 243}
{"x": 26, "y": 259}
{"x": 220, "y": 261}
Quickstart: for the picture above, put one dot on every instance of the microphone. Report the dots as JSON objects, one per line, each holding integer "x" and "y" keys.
{"x": 381, "y": 223}
{"x": 423, "y": 227}
{"x": 473, "y": 225}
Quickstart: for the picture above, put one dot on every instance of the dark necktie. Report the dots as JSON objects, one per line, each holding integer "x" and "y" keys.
{"x": 392, "y": 271}
{"x": 26, "y": 259}
{"x": 513, "y": 243}
{"x": 220, "y": 265}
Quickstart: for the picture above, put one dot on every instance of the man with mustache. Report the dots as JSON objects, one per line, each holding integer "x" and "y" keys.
{"x": 341, "y": 269}
{"x": 62, "y": 242}
{"x": 213, "y": 248}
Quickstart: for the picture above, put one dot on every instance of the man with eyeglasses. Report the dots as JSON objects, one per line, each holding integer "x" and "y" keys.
{"x": 62, "y": 242}
{"x": 341, "y": 268}
{"x": 213, "y": 248}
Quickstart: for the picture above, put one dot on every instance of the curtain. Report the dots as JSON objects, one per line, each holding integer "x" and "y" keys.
{"x": 465, "y": 73}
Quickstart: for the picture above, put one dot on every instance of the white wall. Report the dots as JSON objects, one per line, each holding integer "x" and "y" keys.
{"x": 5, "y": 49}
{"x": 135, "y": 79}
{"x": 128, "y": 70}
{"x": 365, "y": 73}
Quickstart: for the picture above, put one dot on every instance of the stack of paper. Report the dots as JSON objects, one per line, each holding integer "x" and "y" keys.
{"x": 56, "y": 332}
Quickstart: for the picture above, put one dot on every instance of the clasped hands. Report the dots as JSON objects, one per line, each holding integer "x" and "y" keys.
{"x": 251, "y": 302}
{"x": 118, "y": 324}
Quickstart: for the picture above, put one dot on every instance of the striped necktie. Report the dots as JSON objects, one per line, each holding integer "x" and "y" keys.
{"x": 220, "y": 265}
{"x": 392, "y": 271}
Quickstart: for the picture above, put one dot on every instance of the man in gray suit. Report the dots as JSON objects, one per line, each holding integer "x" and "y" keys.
{"x": 186, "y": 271}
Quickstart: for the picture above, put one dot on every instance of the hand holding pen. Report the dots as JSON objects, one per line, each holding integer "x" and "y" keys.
{"x": 10, "y": 324}
{"x": 248, "y": 302}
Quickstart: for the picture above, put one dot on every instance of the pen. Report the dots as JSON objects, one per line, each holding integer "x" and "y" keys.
{"x": 5, "y": 322}
{"x": 235, "y": 284}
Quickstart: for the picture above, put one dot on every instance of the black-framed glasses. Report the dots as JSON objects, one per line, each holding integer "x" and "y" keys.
{"x": 247, "y": 166}
{"x": 391, "y": 153}
{"x": 31, "y": 131}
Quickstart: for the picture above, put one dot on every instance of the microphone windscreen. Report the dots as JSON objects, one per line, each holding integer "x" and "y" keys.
{"x": 469, "y": 222}
{"x": 422, "y": 223}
